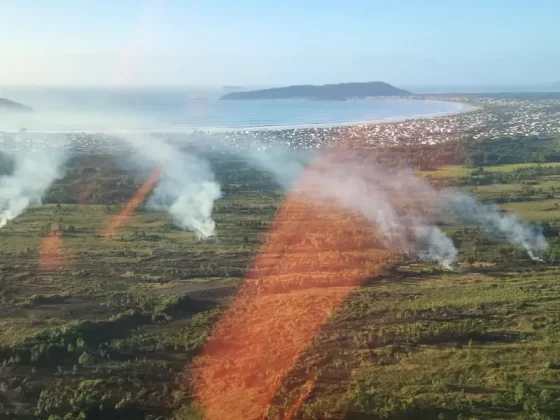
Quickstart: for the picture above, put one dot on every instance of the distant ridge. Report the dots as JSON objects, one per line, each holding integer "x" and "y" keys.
{"x": 338, "y": 91}
{"x": 7, "y": 105}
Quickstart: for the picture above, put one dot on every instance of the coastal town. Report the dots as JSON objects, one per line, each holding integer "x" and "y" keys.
{"x": 483, "y": 118}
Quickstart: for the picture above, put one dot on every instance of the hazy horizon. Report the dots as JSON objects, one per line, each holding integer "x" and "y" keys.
{"x": 248, "y": 43}
{"x": 6, "y": 89}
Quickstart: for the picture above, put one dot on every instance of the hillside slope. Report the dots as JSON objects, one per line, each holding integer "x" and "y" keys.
{"x": 334, "y": 91}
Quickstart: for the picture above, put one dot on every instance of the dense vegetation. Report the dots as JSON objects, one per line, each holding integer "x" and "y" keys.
{"x": 512, "y": 150}
{"x": 96, "y": 328}
{"x": 474, "y": 154}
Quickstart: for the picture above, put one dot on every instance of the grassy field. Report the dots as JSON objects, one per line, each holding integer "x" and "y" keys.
{"x": 455, "y": 171}
{"x": 85, "y": 316}
{"x": 95, "y": 327}
{"x": 462, "y": 345}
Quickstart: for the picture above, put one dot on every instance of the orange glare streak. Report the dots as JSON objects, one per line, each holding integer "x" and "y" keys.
{"x": 52, "y": 256}
{"x": 86, "y": 195}
{"x": 145, "y": 189}
{"x": 315, "y": 254}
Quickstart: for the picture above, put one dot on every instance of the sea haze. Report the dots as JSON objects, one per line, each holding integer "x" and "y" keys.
{"x": 103, "y": 109}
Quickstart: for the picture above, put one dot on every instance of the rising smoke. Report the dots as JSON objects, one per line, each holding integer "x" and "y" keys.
{"x": 33, "y": 173}
{"x": 402, "y": 206}
{"x": 502, "y": 226}
{"x": 286, "y": 165}
{"x": 187, "y": 188}
{"x": 396, "y": 201}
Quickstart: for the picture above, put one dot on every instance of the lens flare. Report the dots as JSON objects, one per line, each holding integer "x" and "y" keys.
{"x": 138, "y": 198}
{"x": 52, "y": 255}
{"x": 87, "y": 194}
{"x": 315, "y": 254}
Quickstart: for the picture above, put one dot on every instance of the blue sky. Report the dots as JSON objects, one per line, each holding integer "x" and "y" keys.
{"x": 216, "y": 42}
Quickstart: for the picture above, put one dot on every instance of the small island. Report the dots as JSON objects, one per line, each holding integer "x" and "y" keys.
{"x": 7, "y": 105}
{"x": 338, "y": 91}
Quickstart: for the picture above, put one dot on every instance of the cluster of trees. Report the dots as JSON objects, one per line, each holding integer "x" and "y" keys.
{"x": 471, "y": 152}
{"x": 528, "y": 176}
{"x": 422, "y": 157}
{"x": 58, "y": 344}
{"x": 531, "y": 149}
{"x": 68, "y": 342}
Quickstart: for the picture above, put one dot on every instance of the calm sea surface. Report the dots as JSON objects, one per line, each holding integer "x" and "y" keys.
{"x": 98, "y": 109}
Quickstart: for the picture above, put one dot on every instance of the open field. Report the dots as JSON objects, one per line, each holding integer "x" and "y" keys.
{"x": 97, "y": 327}
{"x": 474, "y": 345}
{"x": 456, "y": 171}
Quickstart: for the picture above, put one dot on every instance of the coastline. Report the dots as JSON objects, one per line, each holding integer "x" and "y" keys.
{"x": 362, "y": 123}
{"x": 463, "y": 108}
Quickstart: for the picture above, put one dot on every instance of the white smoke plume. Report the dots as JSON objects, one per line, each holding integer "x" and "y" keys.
{"x": 286, "y": 165}
{"x": 187, "y": 188}
{"x": 434, "y": 245}
{"x": 506, "y": 226}
{"x": 33, "y": 173}
{"x": 403, "y": 207}
{"x": 396, "y": 202}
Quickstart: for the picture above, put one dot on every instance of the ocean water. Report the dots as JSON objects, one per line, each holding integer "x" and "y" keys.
{"x": 176, "y": 109}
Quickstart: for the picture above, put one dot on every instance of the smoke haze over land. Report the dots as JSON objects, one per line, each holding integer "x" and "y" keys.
{"x": 507, "y": 227}
{"x": 33, "y": 173}
{"x": 395, "y": 201}
{"x": 405, "y": 208}
{"x": 187, "y": 188}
